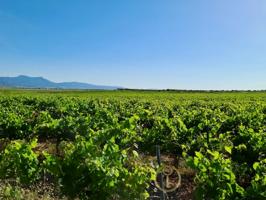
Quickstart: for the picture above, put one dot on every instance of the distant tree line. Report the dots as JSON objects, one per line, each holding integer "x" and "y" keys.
{"x": 192, "y": 91}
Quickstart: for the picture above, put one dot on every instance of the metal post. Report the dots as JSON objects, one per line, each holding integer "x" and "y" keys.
{"x": 158, "y": 154}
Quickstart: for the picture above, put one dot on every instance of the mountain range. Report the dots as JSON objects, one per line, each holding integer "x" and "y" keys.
{"x": 23, "y": 81}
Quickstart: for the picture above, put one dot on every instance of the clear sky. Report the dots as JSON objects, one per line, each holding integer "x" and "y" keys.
{"x": 182, "y": 44}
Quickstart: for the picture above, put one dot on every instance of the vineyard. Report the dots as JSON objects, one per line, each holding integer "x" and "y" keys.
{"x": 99, "y": 145}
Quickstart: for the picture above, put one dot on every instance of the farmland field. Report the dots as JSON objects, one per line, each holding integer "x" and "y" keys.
{"x": 99, "y": 144}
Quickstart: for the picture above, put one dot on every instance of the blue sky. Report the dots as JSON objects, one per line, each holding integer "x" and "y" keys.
{"x": 207, "y": 44}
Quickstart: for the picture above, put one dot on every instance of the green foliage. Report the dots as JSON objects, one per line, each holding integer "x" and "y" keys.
{"x": 257, "y": 190}
{"x": 8, "y": 192}
{"x": 18, "y": 161}
{"x": 100, "y": 170}
{"x": 215, "y": 178}
{"x": 100, "y": 138}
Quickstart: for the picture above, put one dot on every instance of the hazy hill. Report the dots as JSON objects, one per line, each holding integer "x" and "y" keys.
{"x": 23, "y": 81}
